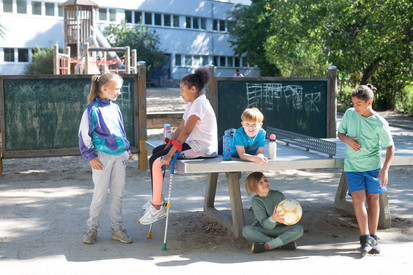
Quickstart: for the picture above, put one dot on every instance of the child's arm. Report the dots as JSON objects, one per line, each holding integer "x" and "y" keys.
{"x": 181, "y": 137}
{"x": 260, "y": 214}
{"x": 352, "y": 142}
{"x": 259, "y": 158}
{"x": 176, "y": 134}
{"x": 384, "y": 172}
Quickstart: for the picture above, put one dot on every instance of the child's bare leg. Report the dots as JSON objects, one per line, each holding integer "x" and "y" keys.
{"x": 373, "y": 205}
{"x": 359, "y": 199}
{"x": 157, "y": 184}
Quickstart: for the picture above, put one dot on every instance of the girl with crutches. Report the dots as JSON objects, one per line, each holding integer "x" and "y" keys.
{"x": 196, "y": 136}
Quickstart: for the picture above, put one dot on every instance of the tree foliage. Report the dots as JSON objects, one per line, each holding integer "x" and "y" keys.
{"x": 42, "y": 62}
{"x": 366, "y": 39}
{"x": 145, "y": 42}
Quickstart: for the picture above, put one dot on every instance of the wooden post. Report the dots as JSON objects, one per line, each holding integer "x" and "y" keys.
{"x": 67, "y": 51}
{"x": 211, "y": 91}
{"x": 56, "y": 59}
{"x": 332, "y": 102}
{"x": 127, "y": 60}
{"x": 86, "y": 49}
{"x": 105, "y": 67}
{"x": 133, "y": 62}
{"x": 140, "y": 131}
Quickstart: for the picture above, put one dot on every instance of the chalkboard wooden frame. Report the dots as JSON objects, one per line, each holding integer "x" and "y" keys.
{"x": 70, "y": 151}
{"x": 212, "y": 93}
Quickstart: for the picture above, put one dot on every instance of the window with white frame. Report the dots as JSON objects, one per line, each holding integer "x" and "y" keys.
{"x": 128, "y": 16}
{"x": 23, "y": 55}
{"x": 21, "y": 6}
{"x": 203, "y": 23}
{"x": 222, "y": 61}
{"x": 188, "y": 22}
{"x": 103, "y": 14}
{"x": 195, "y": 22}
{"x": 138, "y": 17}
{"x": 49, "y": 8}
{"x": 230, "y": 61}
{"x": 236, "y": 62}
{"x": 167, "y": 20}
{"x": 61, "y": 11}
{"x": 148, "y": 18}
{"x": 178, "y": 61}
{"x": 112, "y": 15}
{"x": 8, "y": 54}
{"x": 158, "y": 19}
{"x": 196, "y": 60}
{"x": 188, "y": 60}
{"x": 7, "y": 5}
{"x": 36, "y": 8}
{"x": 176, "y": 21}
{"x": 204, "y": 60}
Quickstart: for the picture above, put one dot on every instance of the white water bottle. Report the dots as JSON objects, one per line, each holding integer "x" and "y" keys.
{"x": 272, "y": 147}
{"x": 167, "y": 131}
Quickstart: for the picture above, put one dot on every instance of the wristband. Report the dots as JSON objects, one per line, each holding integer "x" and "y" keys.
{"x": 177, "y": 145}
{"x": 167, "y": 140}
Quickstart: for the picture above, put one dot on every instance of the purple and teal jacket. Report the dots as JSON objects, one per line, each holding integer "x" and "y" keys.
{"x": 101, "y": 129}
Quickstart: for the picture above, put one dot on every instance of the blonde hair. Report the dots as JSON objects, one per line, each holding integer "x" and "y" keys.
{"x": 252, "y": 181}
{"x": 252, "y": 115}
{"x": 101, "y": 80}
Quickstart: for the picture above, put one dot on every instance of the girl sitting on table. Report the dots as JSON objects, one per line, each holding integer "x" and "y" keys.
{"x": 196, "y": 137}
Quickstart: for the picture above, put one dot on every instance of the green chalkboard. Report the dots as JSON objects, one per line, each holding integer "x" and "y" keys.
{"x": 296, "y": 106}
{"x": 44, "y": 113}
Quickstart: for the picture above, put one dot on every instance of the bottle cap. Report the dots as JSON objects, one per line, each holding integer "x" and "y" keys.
{"x": 272, "y": 137}
{"x": 166, "y": 125}
{"x": 227, "y": 132}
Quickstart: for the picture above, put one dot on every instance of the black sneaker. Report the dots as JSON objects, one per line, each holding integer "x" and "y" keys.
{"x": 289, "y": 246}
{"x": 366, "y": 242}
{"x": 376, "y": 247}
{"x": 258, "y": 247}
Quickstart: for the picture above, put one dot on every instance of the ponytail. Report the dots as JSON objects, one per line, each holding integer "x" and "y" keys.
{"x": 198, "y": 79}
{"x": 98, "y": 81}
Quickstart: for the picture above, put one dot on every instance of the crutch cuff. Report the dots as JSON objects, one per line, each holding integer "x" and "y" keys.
{"x": 177, "y": 145}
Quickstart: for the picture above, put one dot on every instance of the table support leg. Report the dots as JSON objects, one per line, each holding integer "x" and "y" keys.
{"x": 236, "y": 203}
{"x": 211, "y": 189}
{"x": 341, "y": 203}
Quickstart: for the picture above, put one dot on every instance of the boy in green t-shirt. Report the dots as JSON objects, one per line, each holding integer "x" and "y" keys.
{"x": 365, "y": 132}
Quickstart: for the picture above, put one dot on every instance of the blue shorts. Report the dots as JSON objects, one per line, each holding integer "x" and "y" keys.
{"x": 358, "y": 181}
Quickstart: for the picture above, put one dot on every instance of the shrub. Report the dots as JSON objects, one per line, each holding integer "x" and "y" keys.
{"x": 42, "y": 62}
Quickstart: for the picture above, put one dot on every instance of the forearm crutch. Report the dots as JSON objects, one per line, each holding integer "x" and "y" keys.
{"x": 169, "y": 197}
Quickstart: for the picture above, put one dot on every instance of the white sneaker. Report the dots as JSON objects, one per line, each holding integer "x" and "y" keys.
{"x": 152, "y": 215}
{"x": 149, "y": 203}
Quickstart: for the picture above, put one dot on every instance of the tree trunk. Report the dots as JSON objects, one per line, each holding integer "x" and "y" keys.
{"x": 369, "y": 71}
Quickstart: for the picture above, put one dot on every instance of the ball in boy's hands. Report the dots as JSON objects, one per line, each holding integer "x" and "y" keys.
{"x": 291, "y": 210}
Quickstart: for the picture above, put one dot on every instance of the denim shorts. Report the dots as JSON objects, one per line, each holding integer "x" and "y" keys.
{"x": 358, "y": 181}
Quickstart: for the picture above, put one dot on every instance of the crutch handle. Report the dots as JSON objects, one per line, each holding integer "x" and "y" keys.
{"x": 173, "y": 161}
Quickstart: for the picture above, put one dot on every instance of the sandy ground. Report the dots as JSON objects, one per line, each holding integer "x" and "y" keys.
{"x": 44, "y": 205}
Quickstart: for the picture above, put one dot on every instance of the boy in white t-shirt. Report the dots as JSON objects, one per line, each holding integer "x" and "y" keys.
{"x": 196, "y": 137}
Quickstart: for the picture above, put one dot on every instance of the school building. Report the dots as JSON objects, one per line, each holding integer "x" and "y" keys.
{"x": 192, "y": 33}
